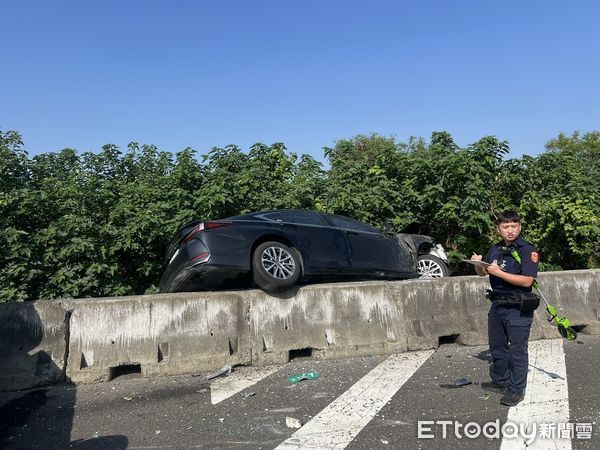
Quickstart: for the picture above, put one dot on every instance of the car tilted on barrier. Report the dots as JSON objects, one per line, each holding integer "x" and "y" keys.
{"x": 278, "y": 247}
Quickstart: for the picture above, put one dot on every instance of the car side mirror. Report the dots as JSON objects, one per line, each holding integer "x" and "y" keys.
{"x": 387, "y": 227}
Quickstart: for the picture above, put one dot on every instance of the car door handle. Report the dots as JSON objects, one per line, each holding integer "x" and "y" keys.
{"x": 351, "y": 232}
{"x": 288, "y": 225}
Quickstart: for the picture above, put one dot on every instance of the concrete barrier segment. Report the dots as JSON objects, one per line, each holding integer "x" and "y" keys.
{"x": 576, "y": 295}
{"x": 323, "y": 321}
{"x": 444, "y": 310}
{"x": 155, "y": 335}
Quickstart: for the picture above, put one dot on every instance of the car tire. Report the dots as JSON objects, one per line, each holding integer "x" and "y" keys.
{"x": 275, "y": 266}
{"x": 429, "y": 266}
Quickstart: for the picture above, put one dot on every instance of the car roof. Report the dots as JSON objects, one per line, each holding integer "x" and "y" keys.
{"x": 256, "y": 214}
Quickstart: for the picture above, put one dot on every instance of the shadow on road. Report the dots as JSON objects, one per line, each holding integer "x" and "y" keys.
{"x": 41, "y": 417}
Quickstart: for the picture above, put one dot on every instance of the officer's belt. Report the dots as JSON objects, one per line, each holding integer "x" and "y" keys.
{"x": 504, "y": 298}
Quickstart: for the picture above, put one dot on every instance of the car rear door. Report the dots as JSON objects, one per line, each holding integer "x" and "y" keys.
{"x": 323, "y": 248}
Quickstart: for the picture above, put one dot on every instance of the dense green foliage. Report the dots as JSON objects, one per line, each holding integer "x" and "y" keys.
{"x": 97, "y": 224}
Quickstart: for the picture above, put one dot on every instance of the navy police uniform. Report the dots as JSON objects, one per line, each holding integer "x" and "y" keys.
{"x": 508, "y": 326}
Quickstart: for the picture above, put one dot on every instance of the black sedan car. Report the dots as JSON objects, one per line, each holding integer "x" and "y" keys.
{"x": 278, "y": 247}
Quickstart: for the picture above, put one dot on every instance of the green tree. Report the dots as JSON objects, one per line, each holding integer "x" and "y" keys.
{"x": 15, "y": 249}
{"x": 362, "y": 180}
{"x": 562, "y": 205}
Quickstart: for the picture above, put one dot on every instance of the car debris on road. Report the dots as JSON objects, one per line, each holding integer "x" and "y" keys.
{"x": 292, "y": 423}
{"x": 225, "y": 370}
{"x": 297, "y": 377}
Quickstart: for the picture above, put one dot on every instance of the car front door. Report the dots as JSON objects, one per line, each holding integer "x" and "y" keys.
{"x": 370, "y": 249}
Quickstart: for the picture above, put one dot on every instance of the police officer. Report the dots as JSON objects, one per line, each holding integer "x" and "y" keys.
{"x": 509, "y": 322}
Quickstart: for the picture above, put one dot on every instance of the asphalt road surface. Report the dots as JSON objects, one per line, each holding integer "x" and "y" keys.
{"x": 407, "y": 401}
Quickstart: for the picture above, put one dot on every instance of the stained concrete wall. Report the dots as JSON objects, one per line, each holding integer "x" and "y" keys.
{"x": 163, "y": 334}
{"x": 90, "y": 340}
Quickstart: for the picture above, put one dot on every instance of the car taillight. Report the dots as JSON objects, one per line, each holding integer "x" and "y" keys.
{"x": 202, "y": 257}
{"x": 213, "y": 225}
{"x": 204, "y": 226}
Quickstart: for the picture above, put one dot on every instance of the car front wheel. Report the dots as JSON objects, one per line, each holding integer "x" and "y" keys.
{"x": 275, "y": 266}
{"x": 430, "y": 266}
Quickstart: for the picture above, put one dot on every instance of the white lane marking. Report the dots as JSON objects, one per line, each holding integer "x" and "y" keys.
{"x": 546, "y": 398}
{"x": 339, "y": 423}
{"x": 237, "y": 381}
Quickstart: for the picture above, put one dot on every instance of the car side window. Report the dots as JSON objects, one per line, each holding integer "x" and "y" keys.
{"x": 275, "y": 216}
{"x": 351, "y": 224}
{"x": 304, "y": 218}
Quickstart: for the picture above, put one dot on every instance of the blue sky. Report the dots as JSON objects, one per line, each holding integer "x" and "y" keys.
{"x": 200, "y": 74}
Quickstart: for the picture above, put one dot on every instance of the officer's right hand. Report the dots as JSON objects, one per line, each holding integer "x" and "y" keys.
{"x": 476, "y": 257}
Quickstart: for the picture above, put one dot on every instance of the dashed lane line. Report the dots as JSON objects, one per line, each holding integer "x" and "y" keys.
{"x": 237, "y": 381}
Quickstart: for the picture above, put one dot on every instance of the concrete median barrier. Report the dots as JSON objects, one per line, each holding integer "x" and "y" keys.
{"x": 89, "y": 340}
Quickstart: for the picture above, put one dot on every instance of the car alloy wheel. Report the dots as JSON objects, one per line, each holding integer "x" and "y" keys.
{"x": 275, "y": 266}
{"x": 430, "y": 266}
{"x": 278, "y": 262}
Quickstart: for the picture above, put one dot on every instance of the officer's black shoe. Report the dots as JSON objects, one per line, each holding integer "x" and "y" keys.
{"x": 511, "y": 399}
{"x": 493, "y": 387}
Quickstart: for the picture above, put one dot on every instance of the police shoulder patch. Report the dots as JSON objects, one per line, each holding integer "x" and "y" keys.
{"x": 534, "y": 257}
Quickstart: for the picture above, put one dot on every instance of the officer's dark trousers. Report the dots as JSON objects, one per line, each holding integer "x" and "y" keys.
{"x": 508, "y": 331}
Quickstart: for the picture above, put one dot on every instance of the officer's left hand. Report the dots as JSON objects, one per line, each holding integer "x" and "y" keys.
{"x": 494, "y": 269}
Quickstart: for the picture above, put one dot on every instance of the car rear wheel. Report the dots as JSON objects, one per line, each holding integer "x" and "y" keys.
{"x": 430, "y": 266}
{"x": 275, "y": 266}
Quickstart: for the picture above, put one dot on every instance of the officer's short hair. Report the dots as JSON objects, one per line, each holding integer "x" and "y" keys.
{"x": 508, "y": 216}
